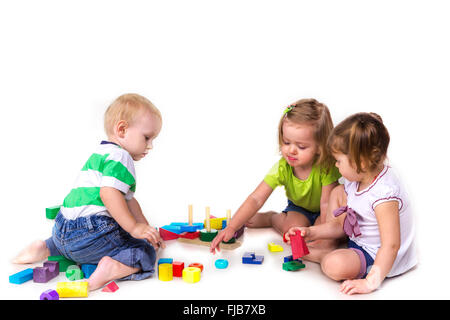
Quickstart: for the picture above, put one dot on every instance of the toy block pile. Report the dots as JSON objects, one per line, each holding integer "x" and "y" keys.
{"x": 199, "y": 233}
{"x": 51, "y": 270}
{"x": 299, "y": 249}
{"x": 168, "y": 269}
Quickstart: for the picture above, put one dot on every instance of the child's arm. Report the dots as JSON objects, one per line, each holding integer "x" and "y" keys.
{"x": 329, "y": 230}
{"x": 324, "y": 199}
{"x": 248, "y": 209}
{"x": 116, "y": 204}
{"x": 389, "y": 226}
{"x": 136, "y": 211}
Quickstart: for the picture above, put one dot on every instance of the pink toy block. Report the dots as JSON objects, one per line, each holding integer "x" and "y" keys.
{"x": 299, "y": 248}
{"x": 110, "y": 287}
{"x": 167, "y": 235}
{"x": 178, "y": 268}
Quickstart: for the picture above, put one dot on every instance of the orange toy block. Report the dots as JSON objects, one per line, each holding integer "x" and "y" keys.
{"x": 197, "y": 265}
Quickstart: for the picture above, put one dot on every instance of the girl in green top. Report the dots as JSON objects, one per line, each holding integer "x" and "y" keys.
{"x": 306, "y": 170}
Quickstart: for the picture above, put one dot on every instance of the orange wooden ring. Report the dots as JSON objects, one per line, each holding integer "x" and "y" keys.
{"x": 197, "y": 265}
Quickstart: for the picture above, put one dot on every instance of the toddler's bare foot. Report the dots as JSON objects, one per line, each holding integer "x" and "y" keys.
{"x": 107, "y": 270}
{"x": 260, "y": 220}
{"x": 35, "y": 252}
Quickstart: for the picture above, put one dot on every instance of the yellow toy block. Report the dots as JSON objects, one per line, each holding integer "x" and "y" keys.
{"x": 215, "y": 223}
{"x": 274, "y": 247}
{"x": 72, "y": 289}
{"x": 165, "y": 272}
{"x": 191, "y": 274}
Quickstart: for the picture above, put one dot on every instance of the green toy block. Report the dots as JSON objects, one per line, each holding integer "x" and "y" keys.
{"x": 232, "y": 240}
{"x": 74, "y": 273}
{"x": 52, "y": 212}
{"x": 293, "y": 265}
{"x": 63, "y": 262}
{"x": 208, "y": 236}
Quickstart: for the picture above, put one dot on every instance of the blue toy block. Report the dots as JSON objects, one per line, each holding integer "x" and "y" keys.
{"x": 251, "y": 258}
{"x": 224, "y": 224}
{"x": 221, "y": 263}
{"x": 88, "y": 269}
{"x": 291, "y": 258}
{"x": 171, "y": 228}
{"x": 165, "y": 260}
{"x": 185, "y": 227}
{"x": 22, "y": 276}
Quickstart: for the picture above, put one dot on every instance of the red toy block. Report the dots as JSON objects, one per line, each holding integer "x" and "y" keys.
{"x": 298, "y": 244}
{"x": 110, "y": 287}
{"x": 190, "y": 235}
{"x": 178, "y": 268}
{"x": 167, "y": 235}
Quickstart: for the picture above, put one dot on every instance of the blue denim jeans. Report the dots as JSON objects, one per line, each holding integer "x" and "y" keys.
{"x": 88, "y": 239}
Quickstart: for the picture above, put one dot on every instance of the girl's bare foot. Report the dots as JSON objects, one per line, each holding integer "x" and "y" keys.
{"x": 107, "y": 270}
{"x": 35, "y": 252}
{"x": 260, "y": 220}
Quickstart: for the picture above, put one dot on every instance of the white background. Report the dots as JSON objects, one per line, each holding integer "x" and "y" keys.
{"x": 221, "y": 72}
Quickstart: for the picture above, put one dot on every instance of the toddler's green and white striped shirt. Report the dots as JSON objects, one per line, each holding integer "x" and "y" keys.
{"x": 108, "y": 166}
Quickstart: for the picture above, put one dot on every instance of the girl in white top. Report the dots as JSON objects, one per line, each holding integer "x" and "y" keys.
{"x": 371, "y": 208}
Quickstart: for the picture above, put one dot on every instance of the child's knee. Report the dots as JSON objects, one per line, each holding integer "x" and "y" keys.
{"x": 334, "y": 267}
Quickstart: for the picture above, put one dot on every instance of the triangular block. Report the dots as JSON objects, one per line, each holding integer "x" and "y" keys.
{"x": 110, "y": 287}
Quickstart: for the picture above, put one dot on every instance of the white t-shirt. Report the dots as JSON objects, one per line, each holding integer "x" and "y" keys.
{"x": 108, "y": 166}
{"x": 386, "y": 187}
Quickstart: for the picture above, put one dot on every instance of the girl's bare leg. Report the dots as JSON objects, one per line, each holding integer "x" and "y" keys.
{"x": 261, "y": 220}
{"x": 35, "y": 252}
{"x": 284, "y": 221}
{"x": 341, "y": 264}
{"x": 107, "y": 270}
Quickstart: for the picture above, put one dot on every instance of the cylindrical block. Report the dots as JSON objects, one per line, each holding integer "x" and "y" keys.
{"x": 72, "y": 289}
{"x": 191, "y": 274}
{"x": 165, "y": 272}
{"x": 221, "y": 263}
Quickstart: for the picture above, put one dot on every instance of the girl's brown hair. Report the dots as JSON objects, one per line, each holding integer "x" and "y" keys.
{"x": 363, "y": 138}
{"x": 315, "y": 113}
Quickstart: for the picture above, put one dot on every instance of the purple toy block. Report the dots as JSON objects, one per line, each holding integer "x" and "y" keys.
{"x": 239, "y": 232}
{"x": 49, "y": 295}
{"x": 44, "y": 274}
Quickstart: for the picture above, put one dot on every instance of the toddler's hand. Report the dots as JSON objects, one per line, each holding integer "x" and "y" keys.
{"x": 144, "y": 231}
{"x": 304, "y": 232}
{"x": 356, "y": 286}
{"x": 224, "y": 235}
